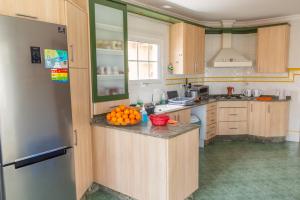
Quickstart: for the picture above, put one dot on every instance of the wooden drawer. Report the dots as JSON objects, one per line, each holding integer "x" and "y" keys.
{"x": 212, "y": 106}
{"x": 233, "y": 114}
{"x": 211, "y": 117}
{"x": 233, "y": 128}
{"x": 211, "y": 131}
{"x": 233, "y": 104}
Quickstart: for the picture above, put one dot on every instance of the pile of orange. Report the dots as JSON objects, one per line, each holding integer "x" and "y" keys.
{"x": 123, "y": 115}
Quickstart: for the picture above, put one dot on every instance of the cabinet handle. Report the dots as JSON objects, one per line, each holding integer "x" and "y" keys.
{"x": 233, "y": 114}
{"x": 72, "y": 52}
{"x": 232, "y": 128}
{"x": 269, "y": 108}
{"x": 75, "y": 137}
{"x": 27, "y": 16}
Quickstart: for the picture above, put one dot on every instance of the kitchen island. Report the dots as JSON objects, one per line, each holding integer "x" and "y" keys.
{"x": 147, "y": 162}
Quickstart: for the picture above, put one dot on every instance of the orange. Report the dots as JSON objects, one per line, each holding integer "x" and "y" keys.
{"x": 131, "y": 111}
{"x": 113, "y": 119}
{"x": 113, "y": 114}
{"x": 108, "y": 117}
{"x": 120, "y": 120}
{"x": 138, "y": 117}
{"x": 119, "y": 114}
{"x": 132, "y": 122}
{"x": 122, "y": 107}
{"x": 126, "y": 111}
{"x": 123, "y": 123}
{"x": 127, "y": 121}
{"x": 136, "y": 112}
{"x": 118, "y": 109}
{"x": 125, "y": 116}
{"x": 131, "y": 116}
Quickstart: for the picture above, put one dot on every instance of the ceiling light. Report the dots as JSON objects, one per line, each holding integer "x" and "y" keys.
{"x": 167, "y": 6}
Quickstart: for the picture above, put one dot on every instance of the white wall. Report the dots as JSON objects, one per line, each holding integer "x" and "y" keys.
{"x": 246, "y": 44}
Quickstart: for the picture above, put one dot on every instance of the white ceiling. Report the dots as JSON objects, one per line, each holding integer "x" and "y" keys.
{"x": 213, "y": 10}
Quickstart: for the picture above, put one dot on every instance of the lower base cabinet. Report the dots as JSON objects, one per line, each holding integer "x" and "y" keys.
{"x": 146, "y": 167}
{"x": 182, "y": 116}
{"x": 268, "y": 119}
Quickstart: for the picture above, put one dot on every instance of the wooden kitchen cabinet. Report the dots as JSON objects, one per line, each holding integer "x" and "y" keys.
{"x": 182, "y": 116}
{"x": 80, "y": 96}
{"x": 268, "y": 119}
{"x": 187, "y": 43}
{"x": 232, "y": 118}
{"x": 272, "y": 49}
{"x": 145, "y": 167}
{"x": 78, "y": 47}
{"x": 52, "y": 11}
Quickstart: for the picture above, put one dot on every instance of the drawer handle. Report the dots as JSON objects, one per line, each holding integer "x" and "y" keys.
{"x": 28, "y": 16}
{"x": 233, "y": 114}
{"x": 233, "y": 128}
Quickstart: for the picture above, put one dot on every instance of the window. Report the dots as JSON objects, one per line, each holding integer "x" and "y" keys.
{"x": 143, "y": 61}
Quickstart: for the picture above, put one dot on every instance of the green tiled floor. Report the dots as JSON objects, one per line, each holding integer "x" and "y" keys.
{"x": 245, "y": 171}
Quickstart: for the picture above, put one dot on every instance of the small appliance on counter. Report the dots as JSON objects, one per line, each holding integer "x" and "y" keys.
{"x": 230, "y": 91}
{"x": 247, "y": 92}
{"x": 256, "y": 93}
{"x": 202, "y": 91}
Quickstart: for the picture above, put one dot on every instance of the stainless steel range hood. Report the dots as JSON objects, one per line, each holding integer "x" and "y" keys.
{"x": 227, "y": 56}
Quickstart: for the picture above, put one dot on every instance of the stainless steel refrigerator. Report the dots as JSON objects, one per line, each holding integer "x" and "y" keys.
{"x": 35, "y": 112}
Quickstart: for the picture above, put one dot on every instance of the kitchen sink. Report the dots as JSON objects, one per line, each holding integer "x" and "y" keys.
{"x": 166, "y": 108}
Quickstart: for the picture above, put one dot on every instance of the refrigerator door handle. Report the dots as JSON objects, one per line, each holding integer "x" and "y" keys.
{"x": 30, "y": 160}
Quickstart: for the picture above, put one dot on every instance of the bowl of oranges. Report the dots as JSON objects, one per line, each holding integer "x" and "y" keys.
{"x": 124, "y": 116}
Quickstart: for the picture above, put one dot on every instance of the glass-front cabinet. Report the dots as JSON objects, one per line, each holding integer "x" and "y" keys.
{"x": 109, "y": 50}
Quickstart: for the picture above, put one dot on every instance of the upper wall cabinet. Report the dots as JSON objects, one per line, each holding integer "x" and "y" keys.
{"x": 52, "y": 11}
{"x": 77, "y": 23}
{"x": 109, "y": 50}
{"x": 187, "y": 44}
{"x": 272, "y": 49}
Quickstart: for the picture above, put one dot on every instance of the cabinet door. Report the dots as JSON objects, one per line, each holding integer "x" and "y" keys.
{"x": 277, "y": 119}
{"x": 189, "y": 63}
{"x": 44, "y": 10}
{"x": 77, "y": 37}
{"x": 176, "y": 47}
{"x": 257, "y": 118}
{"x": 199, "y": 50}
{"x": 4, "y": 7}
{"x": 272, "y": 49}
{"x": 79, "y": 81}
{"x": 184, "y": 116}
{"x": 109, "y": 50}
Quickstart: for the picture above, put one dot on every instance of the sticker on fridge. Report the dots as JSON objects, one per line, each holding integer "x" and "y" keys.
{"x": 60, "y": 75}
{"x": 56, "y": 59}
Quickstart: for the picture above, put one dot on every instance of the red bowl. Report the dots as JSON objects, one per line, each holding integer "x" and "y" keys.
{"x": 159, "y": 120}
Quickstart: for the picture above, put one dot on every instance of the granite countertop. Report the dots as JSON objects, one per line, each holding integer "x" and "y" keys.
{"x": 166, "y": 132}
{"x": 213, "y": 99}
{"x": 169, "y": 131}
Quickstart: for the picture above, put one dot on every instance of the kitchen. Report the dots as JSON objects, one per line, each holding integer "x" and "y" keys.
{"x": 221, "y": 79}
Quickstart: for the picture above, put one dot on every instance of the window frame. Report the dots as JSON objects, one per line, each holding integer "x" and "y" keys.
{"x": 150, "y": 39}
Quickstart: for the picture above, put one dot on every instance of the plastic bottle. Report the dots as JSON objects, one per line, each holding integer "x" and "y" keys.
{"x": 144, "y": 115}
